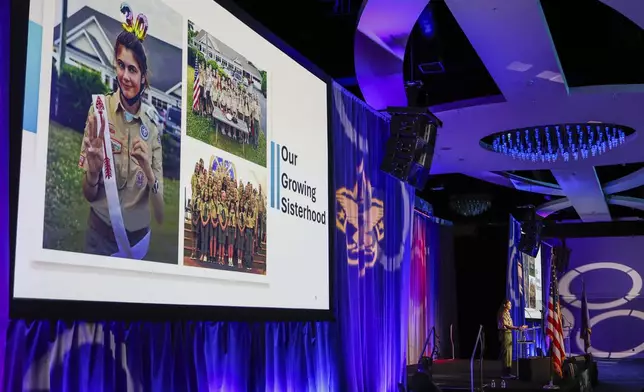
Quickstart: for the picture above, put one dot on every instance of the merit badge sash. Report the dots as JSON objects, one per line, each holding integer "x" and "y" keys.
{"x": 139, "y": 250}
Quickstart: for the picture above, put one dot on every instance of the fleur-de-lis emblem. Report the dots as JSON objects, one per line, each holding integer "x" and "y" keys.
{"x": 360, "y": 218}
{"x": 138, "y": 26}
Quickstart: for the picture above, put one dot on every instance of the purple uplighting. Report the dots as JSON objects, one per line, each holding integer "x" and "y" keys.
{"x": 612, "y": 271}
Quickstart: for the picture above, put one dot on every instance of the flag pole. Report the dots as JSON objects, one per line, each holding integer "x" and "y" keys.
{"x": 551, "y": 384}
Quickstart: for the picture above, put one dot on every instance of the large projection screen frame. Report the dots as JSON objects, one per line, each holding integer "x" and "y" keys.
{"x": 54, "y": 309}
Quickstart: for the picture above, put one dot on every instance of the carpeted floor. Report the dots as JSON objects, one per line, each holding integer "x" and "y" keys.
{"x": 621, "y": 376}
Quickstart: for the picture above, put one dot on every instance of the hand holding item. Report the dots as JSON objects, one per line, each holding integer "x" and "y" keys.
{"x": 523, "y": 327}
{"x": 141, "y": 154}
{"x": 93, "y": 144}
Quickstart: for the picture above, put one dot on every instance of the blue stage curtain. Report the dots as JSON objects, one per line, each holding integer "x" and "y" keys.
{"x": 193, "y": 356}
{"x": 419, "y": 323}
{"x": 432, "y": 300}
{"x": 441, "y": 287}
{"x": 373, "y": 239}
{"x": 514, "y": 288}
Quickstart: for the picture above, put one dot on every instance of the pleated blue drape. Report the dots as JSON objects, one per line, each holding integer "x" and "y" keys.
{"x": 372, "y": 261}
{"x": 514, "y": 287}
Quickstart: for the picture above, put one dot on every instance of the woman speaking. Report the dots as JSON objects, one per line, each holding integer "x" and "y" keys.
{"x": 121, "y": 154}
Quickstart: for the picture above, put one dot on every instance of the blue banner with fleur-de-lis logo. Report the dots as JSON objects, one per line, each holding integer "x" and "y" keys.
{"x": 373, "y": 219}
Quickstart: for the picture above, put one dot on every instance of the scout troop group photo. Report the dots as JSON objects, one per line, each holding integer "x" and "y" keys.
{"x": 224, "y": 97}
{"x": 228, "y": 98}
{"x": 228, "y": 221}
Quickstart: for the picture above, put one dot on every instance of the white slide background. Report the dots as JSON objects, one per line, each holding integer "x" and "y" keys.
{"x": 298, "y": 251}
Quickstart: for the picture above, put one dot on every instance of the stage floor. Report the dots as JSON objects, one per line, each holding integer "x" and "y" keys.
{"x": 454, "y": 375}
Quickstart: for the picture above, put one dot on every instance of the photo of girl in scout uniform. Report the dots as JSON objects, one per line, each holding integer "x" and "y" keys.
{"x": 121, "y": 155}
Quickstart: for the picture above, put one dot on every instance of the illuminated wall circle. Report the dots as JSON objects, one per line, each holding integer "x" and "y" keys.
{"x": 566, "y": 295}
{"x": 605, "y": 316}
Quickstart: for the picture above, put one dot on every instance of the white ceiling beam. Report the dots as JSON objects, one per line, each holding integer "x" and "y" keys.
{"x": 625, "y": 183}
{"x": 524, "y": 38}
{"x": 517, "y": 182}
{"x": 546, "y": 209}
{"x": 584, "y": 191}
{"x": 627, "y": 201}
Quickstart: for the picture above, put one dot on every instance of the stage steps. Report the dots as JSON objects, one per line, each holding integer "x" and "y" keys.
{"x": 259, "y": 259}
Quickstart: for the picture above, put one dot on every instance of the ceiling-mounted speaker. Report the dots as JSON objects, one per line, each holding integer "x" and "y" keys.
{"x": 410, "y": 149}
{"x": 530, "y": 240}
{"x": 561, "y": 256}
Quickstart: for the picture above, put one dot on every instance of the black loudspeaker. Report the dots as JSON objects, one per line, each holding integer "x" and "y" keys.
{"x": 530, "y": 237}
{"x": 561, "y": 258}
{"x": 410, "y": 149}
{"x": 536, "y": 369}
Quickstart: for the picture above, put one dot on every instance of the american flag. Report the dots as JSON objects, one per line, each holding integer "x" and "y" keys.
{"x": 554, "y": 328}
{"x": 196, "y": 88}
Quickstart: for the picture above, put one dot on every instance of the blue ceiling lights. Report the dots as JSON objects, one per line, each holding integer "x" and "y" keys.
{"x": 558, "y": 142}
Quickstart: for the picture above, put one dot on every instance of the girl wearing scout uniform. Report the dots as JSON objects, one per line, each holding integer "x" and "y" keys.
{"x": 232, "y": 220}
{"x": 248, "y": 234}
{"x": 261, "y": 218}
{"x": 222, "y": 231}
{"x": 255, "y": 201}
{"x": 232, "y": 229}
{"x": 121, "y": 155}
{"x": 194, "y": 210}
{"x": 204, "y": 208}
{"x": 241, "y": 225}
{"x": 214, "y": 95}
{"x": 246, "y": 112}
{"x": 214, "y": 222}
{"x": 256, "y": 118}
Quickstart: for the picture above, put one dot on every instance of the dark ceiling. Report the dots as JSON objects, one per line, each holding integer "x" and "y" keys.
{"x": 596, "y": 46}
{"x": 320, "y": 30}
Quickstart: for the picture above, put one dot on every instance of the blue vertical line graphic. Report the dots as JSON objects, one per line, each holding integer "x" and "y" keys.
{"x": 277, "y": 157}
{"x": 32, "y": 78}
{"x": 272, "y": 174}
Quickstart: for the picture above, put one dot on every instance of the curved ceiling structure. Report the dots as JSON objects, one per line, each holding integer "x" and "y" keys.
{"x": 503, "y": 33}
{"x": 384, "y": 27}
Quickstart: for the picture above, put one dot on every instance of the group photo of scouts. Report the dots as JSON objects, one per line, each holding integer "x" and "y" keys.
{"x": 228, "y": 221}
{"x": 224, "y": 98}
{"x": 228, "y": 96}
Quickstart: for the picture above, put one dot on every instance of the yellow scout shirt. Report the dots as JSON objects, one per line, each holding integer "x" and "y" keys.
{"x": 250, "y": 215}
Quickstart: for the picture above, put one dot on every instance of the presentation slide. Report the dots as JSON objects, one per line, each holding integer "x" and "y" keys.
{"x": 532, "y": 283}
{"x": 170, "y": 155}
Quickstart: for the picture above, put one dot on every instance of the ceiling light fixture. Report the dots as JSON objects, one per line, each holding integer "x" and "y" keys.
{"x": 470, "y": 205}
{"x": 553, "y": 142}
